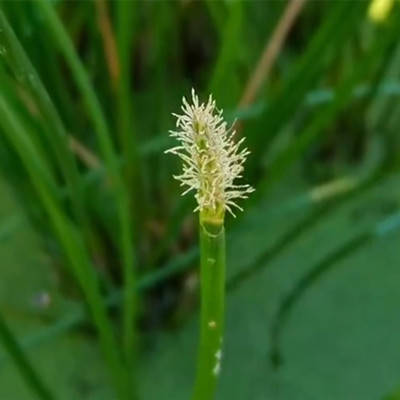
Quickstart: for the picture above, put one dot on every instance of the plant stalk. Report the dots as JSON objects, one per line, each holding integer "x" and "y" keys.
{"x": 122, "y": 200}
{"x": 73, "y": 247}
{"x": 22, "y": 363}
{"x": 212, "y": 273}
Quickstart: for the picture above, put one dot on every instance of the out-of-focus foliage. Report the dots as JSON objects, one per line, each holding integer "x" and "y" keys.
{"x": 90, "y": 208}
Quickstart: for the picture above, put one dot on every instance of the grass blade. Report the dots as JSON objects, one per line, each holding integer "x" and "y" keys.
{"x": 23, "y": 70}
{"x": 71, "y": 242}
{"x": 343, "y": 95}
{"x": 228, "y": 55}
{"x": 25, "y": 368}
{"x": 335, "y": 29}
{"x": 111, "y": 160}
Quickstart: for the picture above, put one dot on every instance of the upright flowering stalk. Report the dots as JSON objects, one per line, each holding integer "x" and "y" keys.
{"x": 212, "y": 161}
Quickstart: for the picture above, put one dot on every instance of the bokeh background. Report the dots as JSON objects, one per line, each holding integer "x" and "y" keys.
{"x": 313, "y": 279}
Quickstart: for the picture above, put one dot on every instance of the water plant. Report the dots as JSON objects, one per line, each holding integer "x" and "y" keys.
{"x": 212, "y": 162}
{"x": 91, "y": 219}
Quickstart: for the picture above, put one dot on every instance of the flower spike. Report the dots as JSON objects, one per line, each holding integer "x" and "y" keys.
{"x": 212, "y": 160}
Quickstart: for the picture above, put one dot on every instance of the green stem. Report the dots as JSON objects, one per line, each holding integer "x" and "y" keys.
{"x": 70, "y": 240}
{"x": 55, "y": 132}
{"x": 122, "y": 199}
{"x": 212, "y": 271}
{"x": 125, "y": 32}
{"x": 22, "y": 363}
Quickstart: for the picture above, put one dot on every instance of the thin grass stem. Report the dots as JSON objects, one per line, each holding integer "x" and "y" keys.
{"x": 25, "y": 368}
{"x": 20, "y": 64}
{"x": 71, "y": 243}
{"x": 111, "y": 160}
{"x": 212, "y": 271}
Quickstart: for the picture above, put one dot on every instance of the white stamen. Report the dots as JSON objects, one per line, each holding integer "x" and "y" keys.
{"x": 212, "y": 159}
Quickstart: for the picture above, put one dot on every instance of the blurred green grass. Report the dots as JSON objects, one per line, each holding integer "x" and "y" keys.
{"x": 90, "y": 224}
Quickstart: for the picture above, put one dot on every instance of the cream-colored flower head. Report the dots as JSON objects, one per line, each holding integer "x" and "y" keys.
{"x": 212, "y": 160}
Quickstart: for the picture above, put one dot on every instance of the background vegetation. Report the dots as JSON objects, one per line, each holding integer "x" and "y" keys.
{"x": 99, "y": 259}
